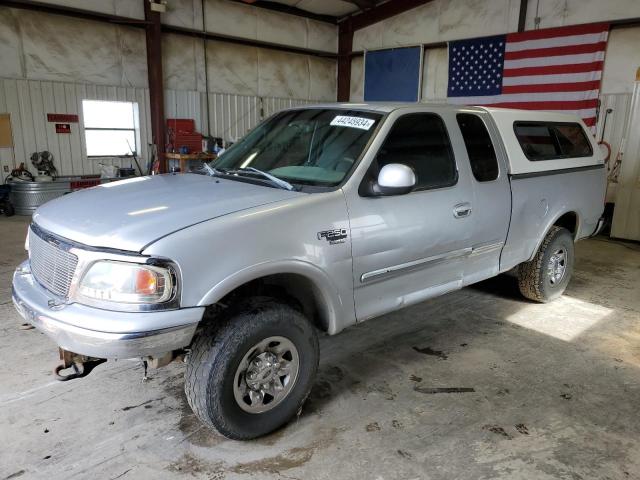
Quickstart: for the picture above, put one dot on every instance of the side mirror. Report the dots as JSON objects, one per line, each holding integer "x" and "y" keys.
{"x": 393, "y": 179}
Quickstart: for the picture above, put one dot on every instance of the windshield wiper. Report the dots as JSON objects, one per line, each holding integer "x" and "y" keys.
{"x": 275, "y": 180}
{"x": 211, "y": 170}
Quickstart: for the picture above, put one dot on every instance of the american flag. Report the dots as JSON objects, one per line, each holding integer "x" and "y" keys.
{"x": 556, "y": 69}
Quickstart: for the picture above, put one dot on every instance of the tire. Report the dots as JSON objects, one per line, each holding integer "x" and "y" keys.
{"x": 535, "y": 280}
{"x": 213, "y": 367}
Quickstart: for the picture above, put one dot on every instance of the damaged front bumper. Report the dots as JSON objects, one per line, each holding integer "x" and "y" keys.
{"x": 102, "y": 333}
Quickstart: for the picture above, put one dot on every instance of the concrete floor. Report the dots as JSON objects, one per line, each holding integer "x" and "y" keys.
{"x": 556, "y": 390}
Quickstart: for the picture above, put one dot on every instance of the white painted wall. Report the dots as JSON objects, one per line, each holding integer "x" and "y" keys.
{"x": 621, "y": 61}
{"x": 227, "y": 18}
{"x": 246, "y": 70}
{"x": 555, "y": 13}
{"x": 443, "y": 20}
{"x": 123, "y": 8}
{"x": 356, "y": 93}
{"x": 40, "y": 46}
{"x": 438, "y": 21}
{"x": 435, "y": 74}
{"x": 237, "y": 20}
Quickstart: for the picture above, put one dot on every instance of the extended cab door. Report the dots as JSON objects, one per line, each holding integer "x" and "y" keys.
{"x": 491, "y": 194}
{"x": 410, "y": 247}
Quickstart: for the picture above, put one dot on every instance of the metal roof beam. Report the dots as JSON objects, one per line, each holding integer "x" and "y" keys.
{"x": 382, "y": 12}
{"x": 283, "y": 8}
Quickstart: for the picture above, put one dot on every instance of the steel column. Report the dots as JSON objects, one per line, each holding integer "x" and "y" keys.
{"x": 155, "y": 75}
{"x": 522, "y": 17}
{"x": 345, "y": 47}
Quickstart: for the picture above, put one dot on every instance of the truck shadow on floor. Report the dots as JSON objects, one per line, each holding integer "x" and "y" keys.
{"x": 447, "y": 329}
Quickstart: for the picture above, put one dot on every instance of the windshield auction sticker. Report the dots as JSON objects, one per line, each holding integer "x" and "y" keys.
{"x": 353, "y": 122}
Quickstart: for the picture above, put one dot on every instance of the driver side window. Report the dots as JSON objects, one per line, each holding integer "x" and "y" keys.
{"x": 420, "y": 141}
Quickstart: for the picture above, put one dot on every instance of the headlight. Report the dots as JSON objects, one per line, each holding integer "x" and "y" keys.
{"x": 122, "y": 282}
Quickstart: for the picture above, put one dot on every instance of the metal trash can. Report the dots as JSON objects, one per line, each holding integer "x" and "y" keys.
{"x": 27, "y": 196}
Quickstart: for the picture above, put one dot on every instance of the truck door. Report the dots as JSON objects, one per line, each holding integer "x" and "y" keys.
{"x": 410, "y": 247}
{"x": 491, "y": 195}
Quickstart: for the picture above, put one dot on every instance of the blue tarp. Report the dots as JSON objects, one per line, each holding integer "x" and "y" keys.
{"x": 392, "y": 75}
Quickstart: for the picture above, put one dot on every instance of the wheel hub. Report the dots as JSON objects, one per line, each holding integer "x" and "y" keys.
{"x": 266, "y": 375}
{"x": 557, "y": 266}
{"x": 262, "y": 370}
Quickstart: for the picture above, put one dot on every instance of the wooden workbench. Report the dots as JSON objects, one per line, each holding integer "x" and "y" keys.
{"x": 185, "y": 158}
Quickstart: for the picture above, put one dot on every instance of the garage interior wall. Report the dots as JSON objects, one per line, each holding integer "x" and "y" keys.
{"x": 444, "y": 20}
{"x": 50, "y": 63}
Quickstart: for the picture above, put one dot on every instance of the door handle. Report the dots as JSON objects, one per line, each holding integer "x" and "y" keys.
{"x": 462, "y": 210}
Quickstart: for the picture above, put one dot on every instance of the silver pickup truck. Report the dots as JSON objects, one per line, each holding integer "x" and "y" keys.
{"x": 320, "y": 218}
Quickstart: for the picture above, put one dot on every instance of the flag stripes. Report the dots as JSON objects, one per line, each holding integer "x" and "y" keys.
{"x": 556, "y": 69}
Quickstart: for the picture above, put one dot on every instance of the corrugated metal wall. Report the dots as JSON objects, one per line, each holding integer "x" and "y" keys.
{"x": 29, "y": 101}
{"x": 230, "y": 116}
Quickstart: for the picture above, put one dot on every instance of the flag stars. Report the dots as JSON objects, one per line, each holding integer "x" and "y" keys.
{"x": 475, "y": 68}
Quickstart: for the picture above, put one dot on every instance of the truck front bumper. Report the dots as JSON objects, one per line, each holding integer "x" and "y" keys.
{"x": 102, "y": 333}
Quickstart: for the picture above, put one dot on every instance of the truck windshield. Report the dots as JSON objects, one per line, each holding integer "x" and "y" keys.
{"x": 308, "y": 147}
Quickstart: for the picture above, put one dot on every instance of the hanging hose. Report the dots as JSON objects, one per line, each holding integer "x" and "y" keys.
{"x": 81, "y": 365}
{"x": 80, "y": 369}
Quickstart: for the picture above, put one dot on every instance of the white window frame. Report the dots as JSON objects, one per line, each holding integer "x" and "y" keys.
{"x": 135, "y": 129}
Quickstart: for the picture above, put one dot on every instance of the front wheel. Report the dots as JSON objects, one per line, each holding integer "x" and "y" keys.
{"x": 546, "y": 277}
{"x": 250, "y": 373}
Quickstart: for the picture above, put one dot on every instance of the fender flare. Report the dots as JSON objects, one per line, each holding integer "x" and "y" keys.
{"x": 551, "y": 224}
{"x": 332, "y": 304}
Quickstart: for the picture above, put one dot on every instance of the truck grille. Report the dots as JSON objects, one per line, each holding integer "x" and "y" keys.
{"x": 51, "y": 265}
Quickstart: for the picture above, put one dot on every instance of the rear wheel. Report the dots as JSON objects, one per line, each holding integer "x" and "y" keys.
{"x": 546, "y": 277}
{"x": 250, "y": 373}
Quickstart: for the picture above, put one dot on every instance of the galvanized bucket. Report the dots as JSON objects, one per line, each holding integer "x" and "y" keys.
{"x": 27, "y": 196}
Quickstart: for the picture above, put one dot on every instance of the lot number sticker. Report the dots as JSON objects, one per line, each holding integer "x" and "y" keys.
{"x": 353, "y": 122}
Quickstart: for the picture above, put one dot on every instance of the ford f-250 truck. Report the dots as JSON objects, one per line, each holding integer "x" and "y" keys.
{"x": 320, "y": 218}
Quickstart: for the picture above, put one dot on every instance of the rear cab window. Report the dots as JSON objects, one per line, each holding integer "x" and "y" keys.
{"x": 482, "y": 155}
{"x": 552, "y": 140}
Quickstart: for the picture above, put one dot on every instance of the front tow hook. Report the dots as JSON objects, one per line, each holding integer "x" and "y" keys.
{"x": 80, "y": 364}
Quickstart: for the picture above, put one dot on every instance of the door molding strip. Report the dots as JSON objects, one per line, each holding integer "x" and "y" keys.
{"x": 463, "y": 252}
{"x": 482, "y": 249}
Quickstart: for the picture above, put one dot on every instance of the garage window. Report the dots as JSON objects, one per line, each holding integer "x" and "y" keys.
{"x": 552, "y": 140}
{"x": 421, "y": 141}
{"x": 482, "y": 155}
{"x": 110, "y": 127}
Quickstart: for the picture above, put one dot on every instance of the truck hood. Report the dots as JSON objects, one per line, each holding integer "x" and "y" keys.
{"x": 131, "y": 214}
